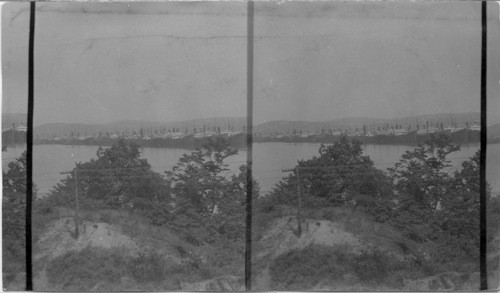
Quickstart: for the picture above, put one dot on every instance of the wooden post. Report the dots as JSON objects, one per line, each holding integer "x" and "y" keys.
{"x": 299, "y": 195}
{"x": 299, "y": 225}
{"x": 76, "y": 205}
{"x": 75, "y": 175}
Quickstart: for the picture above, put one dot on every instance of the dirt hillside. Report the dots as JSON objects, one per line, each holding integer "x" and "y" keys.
{"x": 58, "y": 238}
{"x": 281, "y": 238}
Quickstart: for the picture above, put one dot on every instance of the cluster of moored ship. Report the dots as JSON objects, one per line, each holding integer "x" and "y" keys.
{"x": 396, "y": 134}
{"x": 396, "y": 130}
{"x": 173, "y": 139}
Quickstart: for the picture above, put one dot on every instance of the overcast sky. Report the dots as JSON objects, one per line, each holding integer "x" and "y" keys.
{"x": 101, "y": 62}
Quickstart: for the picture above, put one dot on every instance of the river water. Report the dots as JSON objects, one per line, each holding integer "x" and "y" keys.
{"x": 268, "y": 160}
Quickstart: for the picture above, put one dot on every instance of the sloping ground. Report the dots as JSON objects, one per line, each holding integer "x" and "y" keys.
{"x": 60, "y": 239}
{"x": 493, "y": 264}
{"x": 18, "y": 283}
{"x": 281, "y": 238}
{"x": 450, "y": 281}
{"x": 224, "y": 283}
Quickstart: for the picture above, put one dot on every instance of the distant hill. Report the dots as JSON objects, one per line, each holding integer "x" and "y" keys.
{"x": 237, "y": 123}
{"x": 351, "y": 123}
{"x": 9, "y": 118}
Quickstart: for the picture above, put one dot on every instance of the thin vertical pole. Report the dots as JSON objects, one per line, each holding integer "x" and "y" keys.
{"x": 77, "y": 231}
{"x": 248, "y": 235}
{"x": 299, "y": 224}
{"x": 482, "y": 203}
{"x": 29, "y": 149}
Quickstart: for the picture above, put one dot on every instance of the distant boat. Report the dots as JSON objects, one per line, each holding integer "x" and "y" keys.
{"x": 475, "y": 127}
{"x": 22, "y": 128}
{"x": 177, "y": 135}
{"x": 452, "y": 129}
{"x": 400, "y": 131}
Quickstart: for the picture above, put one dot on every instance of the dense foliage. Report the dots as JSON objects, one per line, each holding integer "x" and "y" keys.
{"x": 200, "y": 197}
{"x": 14, "y": 206}
{"x": 207, "y": 196}
{"x": 422, "y": 177}
{"x": 117, "y": 178}
{"x": 13, "y": 219}
{"x": 420, "y": 195}
{"x": 340, "y": 175}
{"x": 114, "y": 269}
{"x": 339, "y": 267}
{"x": 437, "y": 205}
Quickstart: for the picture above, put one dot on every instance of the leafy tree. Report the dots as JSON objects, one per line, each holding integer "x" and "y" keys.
{"x": 421, "y": 175}
{"x": 119, "y": 177}
{"x": 14, "y": 180}
{"x": 13, "y": 217}
{"x": 14, "y": 202}
{"x": 207, "y": 197}
{"x": 422, "y": 184}
{"x": 459, "y": 213}
{"x": 339, "y": 175}
{"x": 198, "y": 176}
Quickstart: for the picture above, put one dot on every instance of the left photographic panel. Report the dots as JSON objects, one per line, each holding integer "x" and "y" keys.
{"x": 139, "y": 148}
{"x": 14, "y": 84}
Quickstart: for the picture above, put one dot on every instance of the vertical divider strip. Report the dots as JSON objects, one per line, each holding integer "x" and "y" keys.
{"x": 29, "y": 149}
{"x": 248, "y": 230}
{"x": 482, "y": 249}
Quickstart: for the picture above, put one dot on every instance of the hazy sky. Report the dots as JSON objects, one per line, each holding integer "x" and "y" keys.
{"x": 313, "y": 61}
{"x": 381, "y": 59}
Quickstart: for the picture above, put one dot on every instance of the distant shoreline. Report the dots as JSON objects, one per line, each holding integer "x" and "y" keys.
{"x": 239, "y": 141}
{"x": 462, "y": 137}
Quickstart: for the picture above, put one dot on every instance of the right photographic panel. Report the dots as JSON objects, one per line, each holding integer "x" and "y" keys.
{"x": 366, "y": 146}
{"x": 493, "y": 146}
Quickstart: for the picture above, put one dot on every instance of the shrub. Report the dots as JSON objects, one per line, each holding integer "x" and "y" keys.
{"x": 43, "y": 206}
{"x": 105, "y": 217}
{"x": 13, "y": 220}
{"x": 148, "y": 267}
{"x": 160, "y": 214}
{"x": 182, "y": 252}
{"x": 340, "y": 175}
{"x": 372, "y": 267}
{"x": 303, "y": 269}
{"x": 119, "y": 177}
{"x": 83, "y": 270}
{"x": 95, "y": 267}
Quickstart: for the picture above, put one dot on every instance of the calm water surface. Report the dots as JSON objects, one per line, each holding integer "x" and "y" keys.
{"x": 269, "y": 159}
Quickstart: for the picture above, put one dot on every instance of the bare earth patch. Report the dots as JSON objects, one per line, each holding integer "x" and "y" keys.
{"x": 59, "y": 238}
